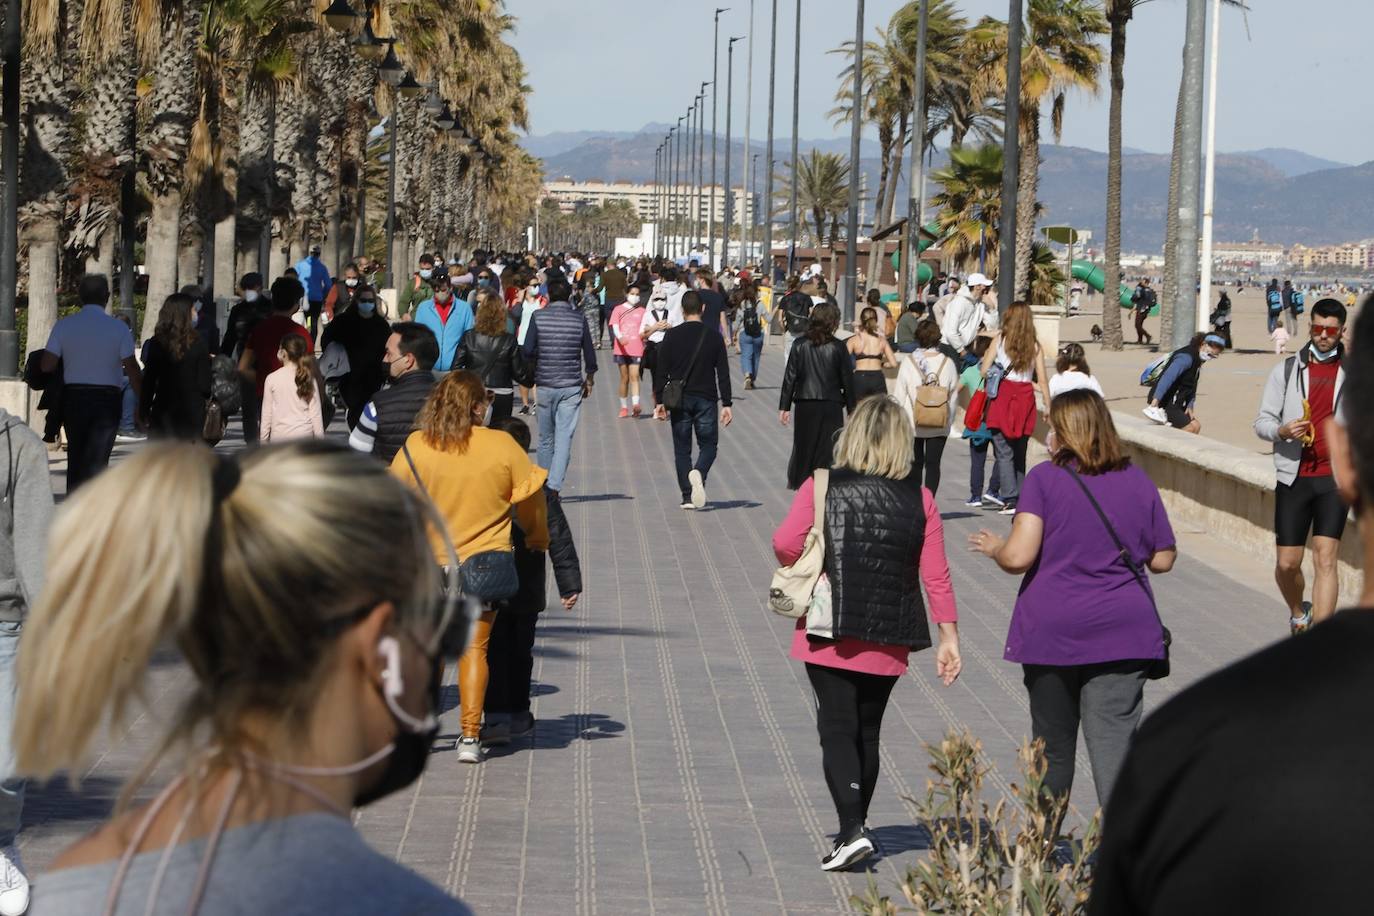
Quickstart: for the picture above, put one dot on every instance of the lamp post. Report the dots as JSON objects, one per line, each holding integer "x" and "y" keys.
{"x": 1011, "y": 165}
{"x": 715, "y": 79}
{"x": 851, "y": 253}
{"x": 768, "y": 153}
{"x": 653, "y": 196}
{"x": 748, "y": 112}
{"x": 702, "y": 196}
{"x": 10, "y": 46}
{"x": 694, "y": 119}
{"x": 911, "y": 258}
{"x": 677, "y": 239}
{"x": 796, "y": 113}
{"x": 753, "y": 207}
{"x": 1209, "y": 176}
{"x": 729, "y": 195}
{"x": 1185, "y": 251}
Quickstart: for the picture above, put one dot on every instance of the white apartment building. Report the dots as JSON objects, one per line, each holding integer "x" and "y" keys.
{"x": 1252, "y": 253}
{"x": 572, "y": 194}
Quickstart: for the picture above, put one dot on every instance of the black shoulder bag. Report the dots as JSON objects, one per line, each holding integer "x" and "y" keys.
{"x": 1159, "y": 667}
{"x": 674, "y": 390}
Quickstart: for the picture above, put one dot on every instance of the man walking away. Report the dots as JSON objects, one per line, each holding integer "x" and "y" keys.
{"x": 564, "y": 358}
{"x": 796, "y": 315}
{"x": 389, "y": 418}
{"x": 1273, "y": 300}
{"x": 693, "y": 354}
{"x": 97, "y": 353}
{"x": 1302, "y": 393}
{"x": 1275, "y": 746}
{"x": 243, "y": 318}
{"x": 314, "y": 276}
{"x": 1143, "y": 300}
{"x": 259, "y": 357}
{"x": 612, "y": 287}
{"x": 25, "y": 515}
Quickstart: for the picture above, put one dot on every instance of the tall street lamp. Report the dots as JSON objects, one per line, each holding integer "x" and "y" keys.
{"x": 677, "y": 238}
{"x": 748, "y": 111}
{"x": 729, "y": 195}
{"x": 694, "y": 119}
{"x": 1011, "y": 164}
{"x": 851, "y": 254}
{"x": 911, "y": 258}
{"x": 715, "y": 79}
{"x": 753, "y": 208}
{"x": 701, "y": 218}
{"x": 796, "y": 113}
{"x": 768, "y": 153}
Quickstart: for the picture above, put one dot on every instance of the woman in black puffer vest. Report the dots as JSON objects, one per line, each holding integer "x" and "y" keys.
{"x": 883, "y": 542}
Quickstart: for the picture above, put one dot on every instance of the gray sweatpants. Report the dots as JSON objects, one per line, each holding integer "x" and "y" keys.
{"x": 1106, "y": 699}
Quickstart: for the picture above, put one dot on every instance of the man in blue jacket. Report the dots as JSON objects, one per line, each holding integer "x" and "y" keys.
{"x": 447, "y": 316}
{"x": 314, "y": 276}
{"x": 560, "y": 345}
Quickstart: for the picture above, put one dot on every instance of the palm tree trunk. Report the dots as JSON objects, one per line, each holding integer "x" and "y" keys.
{"x": 226, "y": 257}
{"x": 1028, "y": 183}
{"x": 1111, "y": 306}
{"x": 1169, "y": 293}
{"x": 885, "y": 145}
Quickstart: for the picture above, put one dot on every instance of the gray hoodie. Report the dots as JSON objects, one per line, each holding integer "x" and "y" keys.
{"x": 26, "y": 510}
{"x": 1282, "y": 403}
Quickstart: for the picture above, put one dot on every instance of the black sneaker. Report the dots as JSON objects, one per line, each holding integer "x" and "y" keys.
{"x": 846, "y": 855}
{"x": 521, "y": 724}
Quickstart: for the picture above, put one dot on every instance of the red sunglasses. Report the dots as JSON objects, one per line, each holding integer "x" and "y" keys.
{"x": 1320, "y": 331}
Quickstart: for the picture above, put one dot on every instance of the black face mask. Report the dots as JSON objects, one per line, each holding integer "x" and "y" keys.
{"x": 410, "y": 751}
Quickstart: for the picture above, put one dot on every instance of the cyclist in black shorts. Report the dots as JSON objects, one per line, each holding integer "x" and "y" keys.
{"x": 1302, "y": 393}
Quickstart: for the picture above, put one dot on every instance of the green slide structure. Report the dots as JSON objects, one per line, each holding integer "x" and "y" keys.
{"x": 1092, "y": 275}
{"x": 923, "y": 271}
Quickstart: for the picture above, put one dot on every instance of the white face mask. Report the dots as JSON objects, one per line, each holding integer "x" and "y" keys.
{"x": 1207, "y": 355}
{"x": 250, "y": 295}
{"x": 632, "y": 298}
{"x": 351, "y": 281}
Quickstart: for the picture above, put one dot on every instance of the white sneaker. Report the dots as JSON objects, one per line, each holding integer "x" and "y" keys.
{"x": 469, "y": 750}
{"x": 698, "y": 489}
{"x": 846, "y": 855}
{"x": 1157, "y": 414}
{"x": 14, "y": 886}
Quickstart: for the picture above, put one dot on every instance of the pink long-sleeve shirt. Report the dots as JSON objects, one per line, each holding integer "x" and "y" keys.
{"x": 285, "y": 415}
{"x": 858, "y": 654}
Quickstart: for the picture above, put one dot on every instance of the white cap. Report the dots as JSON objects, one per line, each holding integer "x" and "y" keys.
{"x": 977, "y": 279}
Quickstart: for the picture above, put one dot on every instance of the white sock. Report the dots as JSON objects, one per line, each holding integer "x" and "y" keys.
{"x": 636, "y": 400}
{"x": 624, "y": 403}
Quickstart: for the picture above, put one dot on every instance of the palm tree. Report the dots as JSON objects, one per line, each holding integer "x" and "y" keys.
{"x": 174, "y": 105}
{"x": 822, "y": 189}
{"x": 1059, "y": 53}
{"x": 970, "y": 206}
{"x": 46, "y": 89}
{"x": 1046, "y": 279}
{"x": 1119, "y": 13}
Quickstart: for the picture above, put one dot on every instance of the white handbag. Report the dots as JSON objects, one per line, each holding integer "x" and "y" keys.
{"x": 792, "y": 588}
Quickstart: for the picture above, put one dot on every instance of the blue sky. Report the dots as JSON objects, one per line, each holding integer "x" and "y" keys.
{"x": 1299, "y": 79}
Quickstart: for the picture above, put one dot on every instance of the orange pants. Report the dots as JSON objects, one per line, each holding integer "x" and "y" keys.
{"x": 473, "y": 676}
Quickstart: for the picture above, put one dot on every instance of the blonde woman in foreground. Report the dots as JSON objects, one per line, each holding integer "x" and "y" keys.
{"x": 315, "y": 679}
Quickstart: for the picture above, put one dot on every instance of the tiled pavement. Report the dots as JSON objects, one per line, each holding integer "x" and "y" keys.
{"x": 675, "y": 766}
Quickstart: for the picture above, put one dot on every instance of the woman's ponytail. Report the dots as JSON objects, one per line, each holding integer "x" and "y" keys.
{"x": 298, "y": 351}
{"x": 125, "y": 570}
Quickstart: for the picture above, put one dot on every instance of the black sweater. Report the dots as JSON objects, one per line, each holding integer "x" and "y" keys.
{"x": 710, "y": 376}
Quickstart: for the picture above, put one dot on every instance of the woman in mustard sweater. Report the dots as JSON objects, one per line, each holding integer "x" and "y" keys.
{"x": 474, "y": 476}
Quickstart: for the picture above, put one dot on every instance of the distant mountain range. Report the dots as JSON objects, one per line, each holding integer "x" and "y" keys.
{"x": 1285, "y": 195}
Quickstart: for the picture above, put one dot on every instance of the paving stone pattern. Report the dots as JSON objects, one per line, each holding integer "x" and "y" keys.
{"x": 675, "y": 766}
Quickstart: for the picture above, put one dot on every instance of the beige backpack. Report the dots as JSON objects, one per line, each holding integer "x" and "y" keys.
{"x": 930, "y": 408}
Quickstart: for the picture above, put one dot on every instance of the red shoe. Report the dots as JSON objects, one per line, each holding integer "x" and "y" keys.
{"x": 638, "y": 410}
{"x": 624, "y": 413}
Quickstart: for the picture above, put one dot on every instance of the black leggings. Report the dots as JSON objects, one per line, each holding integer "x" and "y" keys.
{"x": 849, "y": 716}
{"x": 927, "y": 463}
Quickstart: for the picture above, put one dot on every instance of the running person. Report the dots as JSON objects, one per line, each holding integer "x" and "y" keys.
{"x": 1303, "y": 391}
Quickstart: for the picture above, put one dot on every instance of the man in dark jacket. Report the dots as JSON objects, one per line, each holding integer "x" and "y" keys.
{"x": 363, "y": 334}
{"x": 560, "y": 345}
{"x": 694, "y": 354}
{"x": 796, "y": 314}
{"x": 510, "y": 651}
{"x": 389, "y": 418}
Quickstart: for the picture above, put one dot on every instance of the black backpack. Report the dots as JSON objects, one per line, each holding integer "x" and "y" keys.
{"x": 796, "y": 312}
{"x": 749, "y": 316}
{"x": 224, "y": 384}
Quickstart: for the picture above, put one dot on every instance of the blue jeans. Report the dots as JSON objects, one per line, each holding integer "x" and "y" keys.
{"x": 696, "y": 415}
{"x": 11, "y": 790}
{"x": 559, "y": 409}
{"x": 128, "y": 405}
{"x": 750, "y": 354}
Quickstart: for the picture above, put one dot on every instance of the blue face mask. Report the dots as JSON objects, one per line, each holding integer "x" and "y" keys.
{"x": 367, "y": 306}
{"x": 426, "y": 273}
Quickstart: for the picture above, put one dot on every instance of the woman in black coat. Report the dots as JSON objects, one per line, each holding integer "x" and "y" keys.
{"x": 818, "y": 384}
{"x": 489, "y": 350}
{"x": 176, "y": 373}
